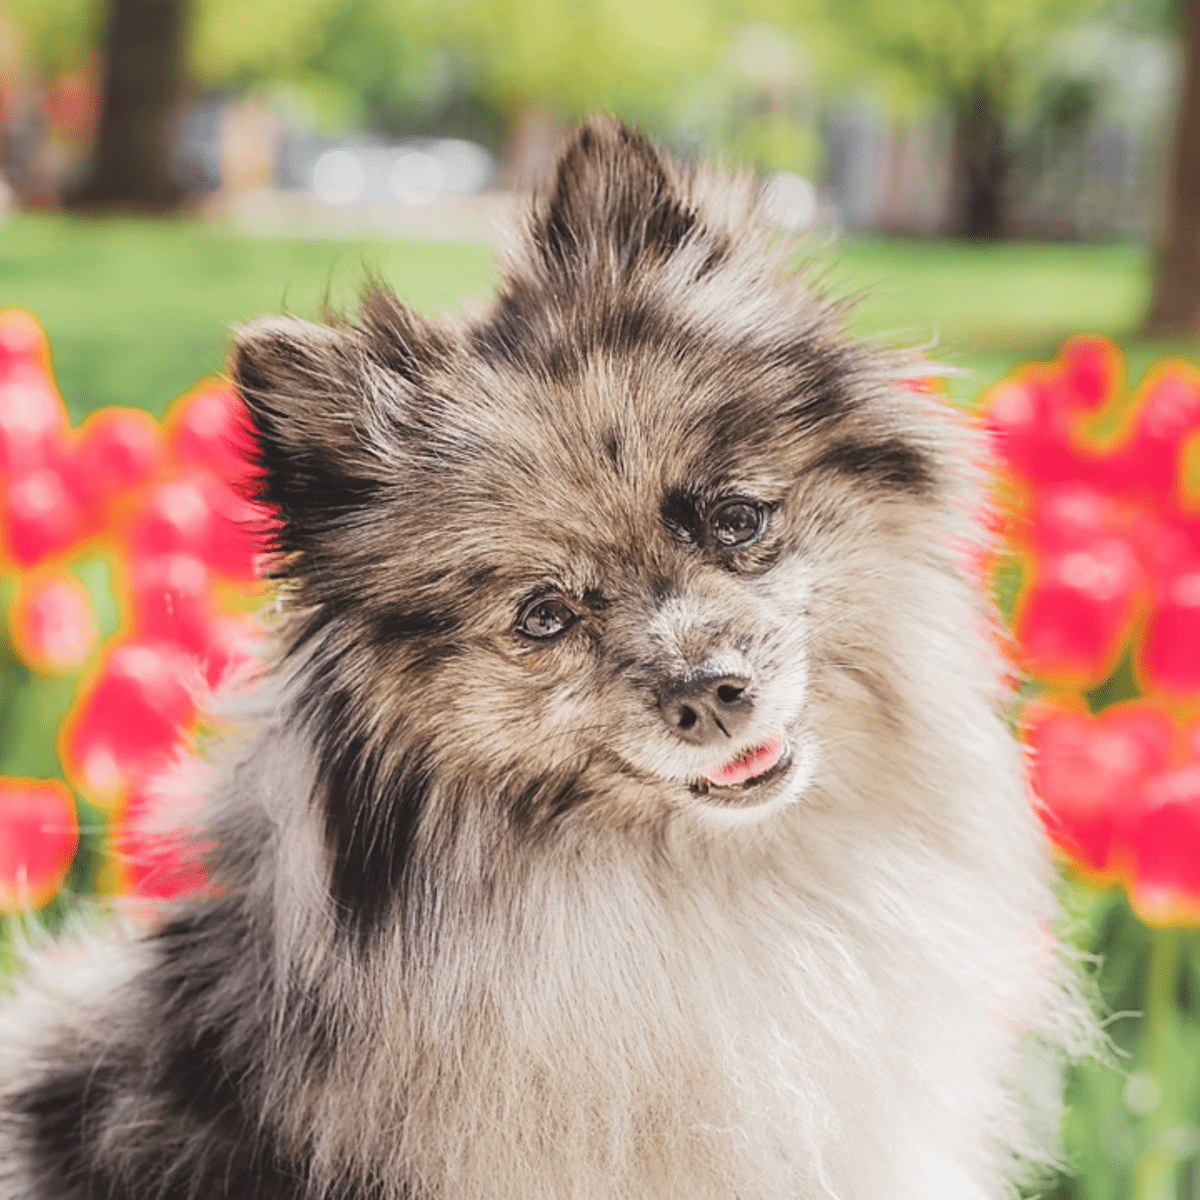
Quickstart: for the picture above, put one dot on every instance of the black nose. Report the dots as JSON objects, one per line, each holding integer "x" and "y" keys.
{"x": 706, "y": 706}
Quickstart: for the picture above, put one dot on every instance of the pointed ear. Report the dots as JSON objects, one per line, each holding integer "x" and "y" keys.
{"x": 612, "y": 201}
{"x": 306, "y": 387}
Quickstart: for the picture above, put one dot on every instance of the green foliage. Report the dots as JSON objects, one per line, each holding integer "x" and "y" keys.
{"x": 352, "y": 61}
{"x": 235, "y": 42}
{"x": 947, "y": 49}
{"x": 778, "y": 142}
{"x": 56, "y": 35}
{"x": 1132, "y": 1121}
{"x": 629, "y": 56}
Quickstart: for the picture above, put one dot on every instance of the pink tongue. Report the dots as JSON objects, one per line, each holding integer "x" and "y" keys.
{"x": 753, "y": 762}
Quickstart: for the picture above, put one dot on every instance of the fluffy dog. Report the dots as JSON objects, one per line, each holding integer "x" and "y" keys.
{"x": 630, "y": 809}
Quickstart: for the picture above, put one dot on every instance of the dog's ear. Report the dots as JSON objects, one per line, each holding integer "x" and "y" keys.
{"x": 612, "y": 202}
{"x": 307, "y": 388}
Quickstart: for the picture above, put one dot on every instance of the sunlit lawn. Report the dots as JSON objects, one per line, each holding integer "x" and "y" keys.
{"x": 138, "y": 309}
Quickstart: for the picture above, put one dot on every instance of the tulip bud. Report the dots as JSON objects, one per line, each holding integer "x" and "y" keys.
{"x": 53, "y": 622}
{"x": 38, "y": 836}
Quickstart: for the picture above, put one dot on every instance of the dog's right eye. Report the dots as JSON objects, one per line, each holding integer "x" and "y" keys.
{"x": 546, "y": 618}
{"x": 737, "y": 523}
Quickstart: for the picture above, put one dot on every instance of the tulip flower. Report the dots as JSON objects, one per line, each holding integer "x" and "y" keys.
{"x": 1093, "y": 370}
{"x": 172, "y": 503}
{"x": 39, "y": 516}
{"x": 33, "y": 420}
{"x": 1078, "y": 607}
{"x": 1087, "y": 771}
{"x": 129, "y": 722}
{"x": 38, "y": 836}
{"x": 117, "y": 449}
{"x": 22, "y": 342}
{"x": 210, "y": 427}
{"x": 1160, "y": 848}
{"x": 1145, "y": 461}
{"x": 52, "y": 622}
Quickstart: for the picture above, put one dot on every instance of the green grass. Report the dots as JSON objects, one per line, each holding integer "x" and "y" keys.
{"x": 137, "y": 310}
{"x": 987, "y": 306}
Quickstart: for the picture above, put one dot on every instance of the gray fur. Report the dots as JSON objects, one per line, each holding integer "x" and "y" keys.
{"x": 480, "y": 927}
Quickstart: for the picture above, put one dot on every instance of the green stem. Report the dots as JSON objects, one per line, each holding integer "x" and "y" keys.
{"x": 1154, "y": 1177}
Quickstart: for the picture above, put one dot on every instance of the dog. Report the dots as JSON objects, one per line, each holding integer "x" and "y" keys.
{"x": 631, "y": 807}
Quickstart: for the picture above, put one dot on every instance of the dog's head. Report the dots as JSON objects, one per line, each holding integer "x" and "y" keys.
{"x": 589, "y": 556}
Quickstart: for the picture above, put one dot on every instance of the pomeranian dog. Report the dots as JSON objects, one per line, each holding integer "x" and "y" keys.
{"x": 630, "y": 809}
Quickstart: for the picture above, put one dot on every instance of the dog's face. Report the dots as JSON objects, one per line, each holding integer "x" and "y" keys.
{"x": 587, "y": 556}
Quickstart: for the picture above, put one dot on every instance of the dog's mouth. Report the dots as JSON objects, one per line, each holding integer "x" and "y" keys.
{"x": 741, "y": 779}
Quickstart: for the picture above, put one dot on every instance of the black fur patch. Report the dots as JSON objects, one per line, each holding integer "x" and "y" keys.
{"x": 628, "y": 328}
{"x": 543, "y": 801}
{"x": 62, "y": 1110}
{"x": 372, "y": 811}
{"x": 521, "y": 333}
{"x": 736, "y": 422}
{"x": 403, "y": 625}
{"x": 717, "y": 255}
{"x": 502, "y": 339}
{"x": 306, "y": 445}
{"x": 682, "y": 512}
{"x": 823, "y": 391}
{"x": 193, "y": 1131}
{"x": 892, "y": 465}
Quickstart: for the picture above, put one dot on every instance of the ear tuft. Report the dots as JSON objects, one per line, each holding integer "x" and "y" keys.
{"x": 613, "y": 201}
{"x": 303, "y": 385}
{"x": 396, "y": 337}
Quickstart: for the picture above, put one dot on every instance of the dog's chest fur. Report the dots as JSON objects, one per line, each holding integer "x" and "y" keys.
{"x": 489, "y": 918}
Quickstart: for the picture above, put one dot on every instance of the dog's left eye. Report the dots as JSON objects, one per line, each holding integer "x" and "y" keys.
{"x": 737, "y": 523}
{"x": 546, "y": 618}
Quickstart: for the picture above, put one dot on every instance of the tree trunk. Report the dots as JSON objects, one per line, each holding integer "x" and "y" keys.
{"x": 979, "y": 165}
{"x": 1176, "y": 304}
{"x": 131, "y": 160}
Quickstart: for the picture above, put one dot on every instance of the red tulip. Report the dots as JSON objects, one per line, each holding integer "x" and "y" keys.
{"x": 129, "y": 722}
{"x": 174, "y": 516}
{"x": 1160, "y": 849}
{"x": 210, "y": 426}
{"x": 1071, "y": 514}
{"x": 1087, "y": 771}
{"x": 171, "y": 601}
{"x": 33, "y": 420}
{"x": 38, "y": 836}
{"x": 240, "y": 533}
{"x": 1031, "y": 422}
{"x": 1169, "y": 658}
{"x": 22, "y": 342}
{"x": 117, "y": 449}
{"x": 1147, "y": 461}
{"x": 40, "y": 515}
{"x": 1092, "y": 367}
{"x": 1076, "y": 610}
{"x": 196, "y": 513}
{"x": 53, "y": 622}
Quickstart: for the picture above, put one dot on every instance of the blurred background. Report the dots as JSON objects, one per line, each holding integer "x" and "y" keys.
{"x": 992, "y": 178}
{"x": 996, "y": 172}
